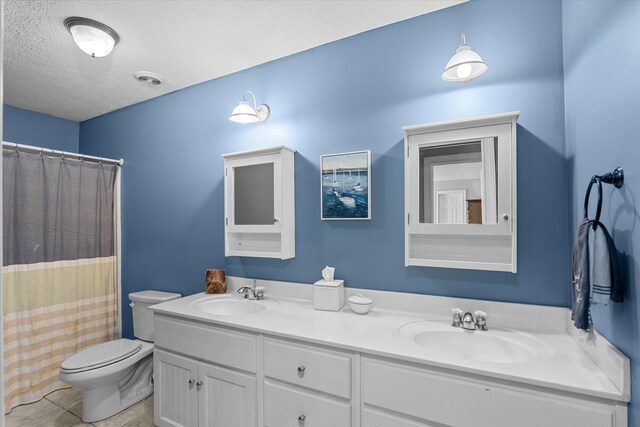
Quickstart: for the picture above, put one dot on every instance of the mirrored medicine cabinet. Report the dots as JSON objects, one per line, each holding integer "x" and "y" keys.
{"x": 259, "y": 203}
{"x": 460, "y": 200}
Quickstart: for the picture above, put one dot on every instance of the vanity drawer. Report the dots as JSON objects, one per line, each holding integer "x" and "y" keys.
{"x": 316, "y": 368}
{"x": 220, "y": 346}
{"x": 377, "y": 419}
{"x": 288, "y": 407}
{"x": 466, "y": 400}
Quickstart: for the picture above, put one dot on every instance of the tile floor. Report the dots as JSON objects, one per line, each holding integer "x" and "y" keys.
{"x": 63, "y": 408}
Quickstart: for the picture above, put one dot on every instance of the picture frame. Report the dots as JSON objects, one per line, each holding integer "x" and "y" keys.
{"x": 345, "y": 186}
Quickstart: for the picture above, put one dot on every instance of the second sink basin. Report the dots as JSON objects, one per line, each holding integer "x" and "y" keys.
{"x": 493, "y": 346}
{"x": 228, "y": 306}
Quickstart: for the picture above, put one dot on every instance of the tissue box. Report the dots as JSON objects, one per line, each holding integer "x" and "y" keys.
{"x": 328, "y": 295}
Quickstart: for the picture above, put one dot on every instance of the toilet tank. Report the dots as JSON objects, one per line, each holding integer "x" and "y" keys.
{"x": 142, "y": 316}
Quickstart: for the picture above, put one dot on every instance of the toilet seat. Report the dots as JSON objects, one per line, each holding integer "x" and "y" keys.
{"x": 100, "y": 355}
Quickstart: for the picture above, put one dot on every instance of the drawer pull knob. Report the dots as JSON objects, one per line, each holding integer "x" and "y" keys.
{"x": 199, "y": 383}
{"x": 192, "y": 382}
{"x": 301, "y": 419}
{"x": 301, "y": 370}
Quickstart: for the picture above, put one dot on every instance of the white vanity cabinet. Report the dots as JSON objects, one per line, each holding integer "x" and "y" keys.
{"x": 204, "y": 375}
{"x": 259, "y": 203}
{"x": 211, "y": 375}
{"x": 439, "y": 397}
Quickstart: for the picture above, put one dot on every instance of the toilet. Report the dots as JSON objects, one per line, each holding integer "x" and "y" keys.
{"x": 116, "y": 374}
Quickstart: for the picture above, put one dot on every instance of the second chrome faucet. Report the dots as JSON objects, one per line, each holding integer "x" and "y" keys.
{"x": 467, "y": 320}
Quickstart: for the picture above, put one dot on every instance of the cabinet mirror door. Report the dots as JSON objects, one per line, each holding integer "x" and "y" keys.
{"x": 254, "y": 194}
{"x": 461, "y": 181}
{"x": 458, "y": 182}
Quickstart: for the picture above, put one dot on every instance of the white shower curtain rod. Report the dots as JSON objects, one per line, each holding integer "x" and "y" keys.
{"x": 32, "y": 149}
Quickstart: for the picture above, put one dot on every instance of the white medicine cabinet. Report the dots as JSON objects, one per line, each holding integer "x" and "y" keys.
{"x": 460, "y": 193}
{"x": 259, "y": 203}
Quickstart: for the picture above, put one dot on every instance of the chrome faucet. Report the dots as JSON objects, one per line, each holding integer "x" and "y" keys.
{"x": 468, "y": 322}
{"x": 256, "y": 291}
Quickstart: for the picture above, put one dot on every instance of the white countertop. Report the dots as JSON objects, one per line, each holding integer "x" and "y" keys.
{"x": 567, "y": 367}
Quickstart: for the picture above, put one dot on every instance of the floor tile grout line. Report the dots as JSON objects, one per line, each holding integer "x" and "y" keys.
{"x": 148, "y": 403}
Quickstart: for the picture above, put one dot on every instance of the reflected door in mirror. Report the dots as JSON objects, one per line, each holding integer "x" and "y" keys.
{"x": 454, "y": 173}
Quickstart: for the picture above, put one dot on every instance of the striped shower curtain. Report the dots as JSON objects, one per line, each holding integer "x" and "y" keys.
{"x": 59, "y": 267}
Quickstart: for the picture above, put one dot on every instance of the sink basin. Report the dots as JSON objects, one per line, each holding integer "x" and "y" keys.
{"x": 228, "y": 306}
{"x": 493, "y": 346}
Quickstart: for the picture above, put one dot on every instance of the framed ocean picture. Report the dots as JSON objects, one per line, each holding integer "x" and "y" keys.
{"x": 345, "y": 185}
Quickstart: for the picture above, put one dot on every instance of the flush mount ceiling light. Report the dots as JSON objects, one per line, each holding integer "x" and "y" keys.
{"x": 92, "y": 37}
{"x": 246, "y": 113}
{"x": 464, "y": 65}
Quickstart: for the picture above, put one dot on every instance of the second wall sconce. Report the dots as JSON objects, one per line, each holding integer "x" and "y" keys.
{"x": 464, "y": 65}
{"x": 246, "y": 113}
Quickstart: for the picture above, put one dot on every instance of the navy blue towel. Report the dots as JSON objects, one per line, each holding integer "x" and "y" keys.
{"x": 580, "y": 287}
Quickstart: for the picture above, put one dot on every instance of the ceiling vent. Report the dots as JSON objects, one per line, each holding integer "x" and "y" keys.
{"x": 148, "y": 77}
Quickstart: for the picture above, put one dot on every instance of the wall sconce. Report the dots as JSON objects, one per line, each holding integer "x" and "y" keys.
{"x": 92, "y": 37}
{"x": 245, "y": 113}
{"x": 464, "y": 65}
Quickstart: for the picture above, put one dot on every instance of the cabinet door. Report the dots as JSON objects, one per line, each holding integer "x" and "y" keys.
{"x": 254, "y": 198}
{"x": 175, "y": 399}
{"x": 226, "y": 398}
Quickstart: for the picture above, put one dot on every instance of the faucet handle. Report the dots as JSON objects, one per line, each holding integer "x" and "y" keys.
{"x": 481, "y": 320}
{"x": 457, "y": 317}
{"x": 259, "y": 292}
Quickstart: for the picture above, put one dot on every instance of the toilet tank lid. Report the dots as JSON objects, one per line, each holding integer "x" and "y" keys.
{"x": 101, "y": 355}
{"x": 153, "y": 296}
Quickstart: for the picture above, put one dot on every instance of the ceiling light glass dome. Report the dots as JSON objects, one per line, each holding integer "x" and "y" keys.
{"x": 92, "y": 37}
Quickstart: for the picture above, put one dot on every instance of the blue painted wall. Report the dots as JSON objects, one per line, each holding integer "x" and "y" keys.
{"x": 602, "y": 101}
{"x": 41, "y": 130}
{"x": 349, "y": 95}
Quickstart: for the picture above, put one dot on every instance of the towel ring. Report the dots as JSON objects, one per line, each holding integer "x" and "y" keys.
{"x": 594, "y": 179}
{"x": 615, "y": 178}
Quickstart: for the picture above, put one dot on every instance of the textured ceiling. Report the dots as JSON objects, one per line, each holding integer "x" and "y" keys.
{"x": 187, "y": 42}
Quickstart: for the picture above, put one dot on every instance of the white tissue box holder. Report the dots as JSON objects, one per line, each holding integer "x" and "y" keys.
{"x": 328, "y": 295}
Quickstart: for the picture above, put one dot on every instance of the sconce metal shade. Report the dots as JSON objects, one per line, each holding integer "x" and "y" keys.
{"x": 92, "y": 37}
{"x": 464, "y": 65}
{"x": 246, "y": 113}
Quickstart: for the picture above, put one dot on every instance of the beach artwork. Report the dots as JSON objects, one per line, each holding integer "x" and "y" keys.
{"x": 346, "y": 185}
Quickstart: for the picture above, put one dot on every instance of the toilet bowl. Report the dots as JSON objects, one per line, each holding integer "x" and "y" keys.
{"x": 116, "y": 374}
